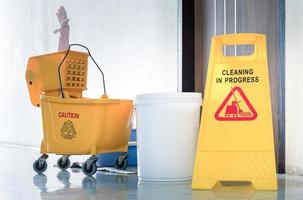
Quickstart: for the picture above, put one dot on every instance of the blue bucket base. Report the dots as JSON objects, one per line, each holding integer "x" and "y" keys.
{"x": 108, "y": 159}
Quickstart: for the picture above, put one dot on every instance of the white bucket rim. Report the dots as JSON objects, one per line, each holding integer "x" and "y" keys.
{"x": 169, "y": 95}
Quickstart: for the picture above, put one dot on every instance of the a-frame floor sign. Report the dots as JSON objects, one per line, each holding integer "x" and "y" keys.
{"x": 236, "y": 141}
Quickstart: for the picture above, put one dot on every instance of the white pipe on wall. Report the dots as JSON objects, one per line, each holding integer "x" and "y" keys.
{"x": 293, "y": 87}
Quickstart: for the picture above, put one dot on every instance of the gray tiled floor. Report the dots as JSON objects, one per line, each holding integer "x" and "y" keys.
{"x": 18, "y": 181}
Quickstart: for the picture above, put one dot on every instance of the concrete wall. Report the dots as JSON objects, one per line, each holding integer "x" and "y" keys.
{"x": 293, "y": 83}
{"x": 135, "y": 42}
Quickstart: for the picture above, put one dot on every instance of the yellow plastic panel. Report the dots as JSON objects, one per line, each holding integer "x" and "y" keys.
{"x": 85, "y": 126}
{"x": 236, "y": 133}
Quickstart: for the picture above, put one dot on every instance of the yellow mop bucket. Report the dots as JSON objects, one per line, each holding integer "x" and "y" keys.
{"x": 85, "y": 126}
{"x": 79, "y": 126}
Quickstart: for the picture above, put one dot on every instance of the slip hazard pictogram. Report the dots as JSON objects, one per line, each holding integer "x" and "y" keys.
{"x": 236, "y": 107}
{"x": 68, "y": 130}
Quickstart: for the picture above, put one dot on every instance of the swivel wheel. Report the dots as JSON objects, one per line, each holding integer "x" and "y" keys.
{"x": 121, "y": 162}
{"x": 89, "y": 167}
{"x": 40, "y": 165}
{"x": 63, "y": 162}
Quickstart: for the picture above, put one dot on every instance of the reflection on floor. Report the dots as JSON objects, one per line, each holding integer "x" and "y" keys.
{"x": 18, "y": 181}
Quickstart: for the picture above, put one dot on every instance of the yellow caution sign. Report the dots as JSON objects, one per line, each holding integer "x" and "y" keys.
{"x": 236, "y": 133}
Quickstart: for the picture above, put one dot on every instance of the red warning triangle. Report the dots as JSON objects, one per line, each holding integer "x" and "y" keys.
{"x": 233, "y": 111}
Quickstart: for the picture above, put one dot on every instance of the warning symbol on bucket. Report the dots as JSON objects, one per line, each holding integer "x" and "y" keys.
{"x": 236, "y": 107}
{"x": 68, "y": 131}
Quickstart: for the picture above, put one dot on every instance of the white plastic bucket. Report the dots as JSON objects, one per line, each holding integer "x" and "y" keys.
{"x": 167, "y": 132}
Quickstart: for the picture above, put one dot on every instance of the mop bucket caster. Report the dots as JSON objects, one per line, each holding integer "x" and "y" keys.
{"x": 89, "y": 167}
{"x": 63, "y": 162}
{"x": 122, "y": 162}
{"x": 40, "y": 165}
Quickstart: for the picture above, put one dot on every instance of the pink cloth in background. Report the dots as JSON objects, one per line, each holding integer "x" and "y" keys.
{"x": 63, "y": 30}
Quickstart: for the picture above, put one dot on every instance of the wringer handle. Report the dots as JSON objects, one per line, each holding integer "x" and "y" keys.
{"x": 89, "y": 54}
{"x": 258, "y": 40}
